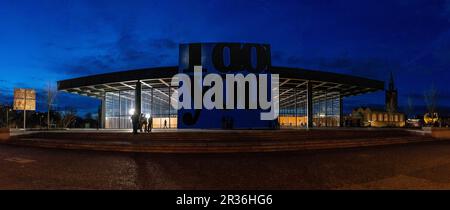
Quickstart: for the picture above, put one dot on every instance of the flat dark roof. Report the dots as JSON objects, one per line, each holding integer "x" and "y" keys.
{"x": 322, "y": 76}
{"x": 159, "y": 77}
{"x": 119, "y": 76}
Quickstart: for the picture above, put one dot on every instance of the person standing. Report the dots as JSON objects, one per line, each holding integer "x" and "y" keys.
{"x": 141, "y": 121}
{"x": 149, "y": 124}
{"x": 165, "y": 123}
{"x": 145, "y": 123}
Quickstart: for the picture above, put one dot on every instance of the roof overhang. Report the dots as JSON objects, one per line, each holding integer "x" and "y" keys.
{"x": 325, "y": 84}
{"x": 97, "y": 85}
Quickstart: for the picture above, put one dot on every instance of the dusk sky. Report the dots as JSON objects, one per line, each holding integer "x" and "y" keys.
{"x": 45, "y": 41}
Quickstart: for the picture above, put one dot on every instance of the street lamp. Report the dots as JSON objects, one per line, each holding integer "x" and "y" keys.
{"x": 40, "y": 121}
{"x": 7, "y": 117}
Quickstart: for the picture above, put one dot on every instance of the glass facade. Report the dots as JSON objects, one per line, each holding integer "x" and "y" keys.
{"x": 293, "y": 109}
{"x": 326, "y": 112}
{"x": 120, "y": 105}
{"x": 156, "y": 103}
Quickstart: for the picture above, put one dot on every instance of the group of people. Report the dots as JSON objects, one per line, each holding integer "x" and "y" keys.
{"x": 141, "y": 123}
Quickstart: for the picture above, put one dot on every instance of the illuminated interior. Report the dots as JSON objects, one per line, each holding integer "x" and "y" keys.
{"x": 119, "y": 107}
{"x": 293, "y": 113}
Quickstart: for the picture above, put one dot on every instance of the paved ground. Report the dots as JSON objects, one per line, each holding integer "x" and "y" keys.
{"x": 416, "y": 166}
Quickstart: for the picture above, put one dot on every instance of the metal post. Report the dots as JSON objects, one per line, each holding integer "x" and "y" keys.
{"x": 333, "y": 114}
{"x": 160, "y": 113}
{"x": 295, "y": 96}
{"x": 103, "y": 111}
{"x": 309, "y": 105}
{"x": 120, "y": 110}
{"x": 151, "y": 105}
{"x": 25, "y": 111}
{"x": 24, "y": 119}
{"x": 341, "y": 111}
{"x": 152, "y": 108}
{"x": 326, "y": 110}
{"x": 48, "y": 117}
{"x": 137, "y": 98}
{"x": 7, "y": 118}
{"x": 169, "y": 105}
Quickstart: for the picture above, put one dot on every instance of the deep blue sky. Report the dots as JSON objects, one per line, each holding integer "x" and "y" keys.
{"x": 46, "y": 41}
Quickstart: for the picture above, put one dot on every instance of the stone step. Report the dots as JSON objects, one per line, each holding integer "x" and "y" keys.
{"x": 218, "y": 147}
{"x": 208, "y": 136}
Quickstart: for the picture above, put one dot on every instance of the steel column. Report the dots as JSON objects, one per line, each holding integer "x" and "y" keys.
{"x": 309, "y": 105}
{"x": 137, "y": 98}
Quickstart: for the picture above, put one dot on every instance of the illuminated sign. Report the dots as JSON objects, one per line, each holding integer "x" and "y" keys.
{"x": 24, "y": 99}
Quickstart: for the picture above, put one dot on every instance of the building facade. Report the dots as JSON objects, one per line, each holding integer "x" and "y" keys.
{"x": 369, "y": 117}
{"x": 307, "y": 98}
{"x": 372, "y": 117}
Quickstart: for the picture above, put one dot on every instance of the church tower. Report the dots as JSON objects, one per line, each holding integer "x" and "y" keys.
{"x": 391, "y": 96}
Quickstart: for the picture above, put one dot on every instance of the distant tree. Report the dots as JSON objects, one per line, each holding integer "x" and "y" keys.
{"x": 431, "y": 96}
{"x": 51, "y": 93}
{"x": 88, "y": 116}
{"x": 410, "y": 107}
{"x": 68, "y": 116}
{"x": 99, "y": 116}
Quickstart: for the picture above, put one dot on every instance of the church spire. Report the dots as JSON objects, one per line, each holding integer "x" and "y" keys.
{"x": 391, "y": 96}
{"x": 391, "y": 82}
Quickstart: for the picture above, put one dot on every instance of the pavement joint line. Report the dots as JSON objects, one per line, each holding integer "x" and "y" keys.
{"x": 19, "y": 160}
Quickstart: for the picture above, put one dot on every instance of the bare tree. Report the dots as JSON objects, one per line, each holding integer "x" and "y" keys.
{"x": 431, "y": 97}
{"x": 51, "y": 95}
{"x": 410, "y": 108}
{"x": 68, "y": 116}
